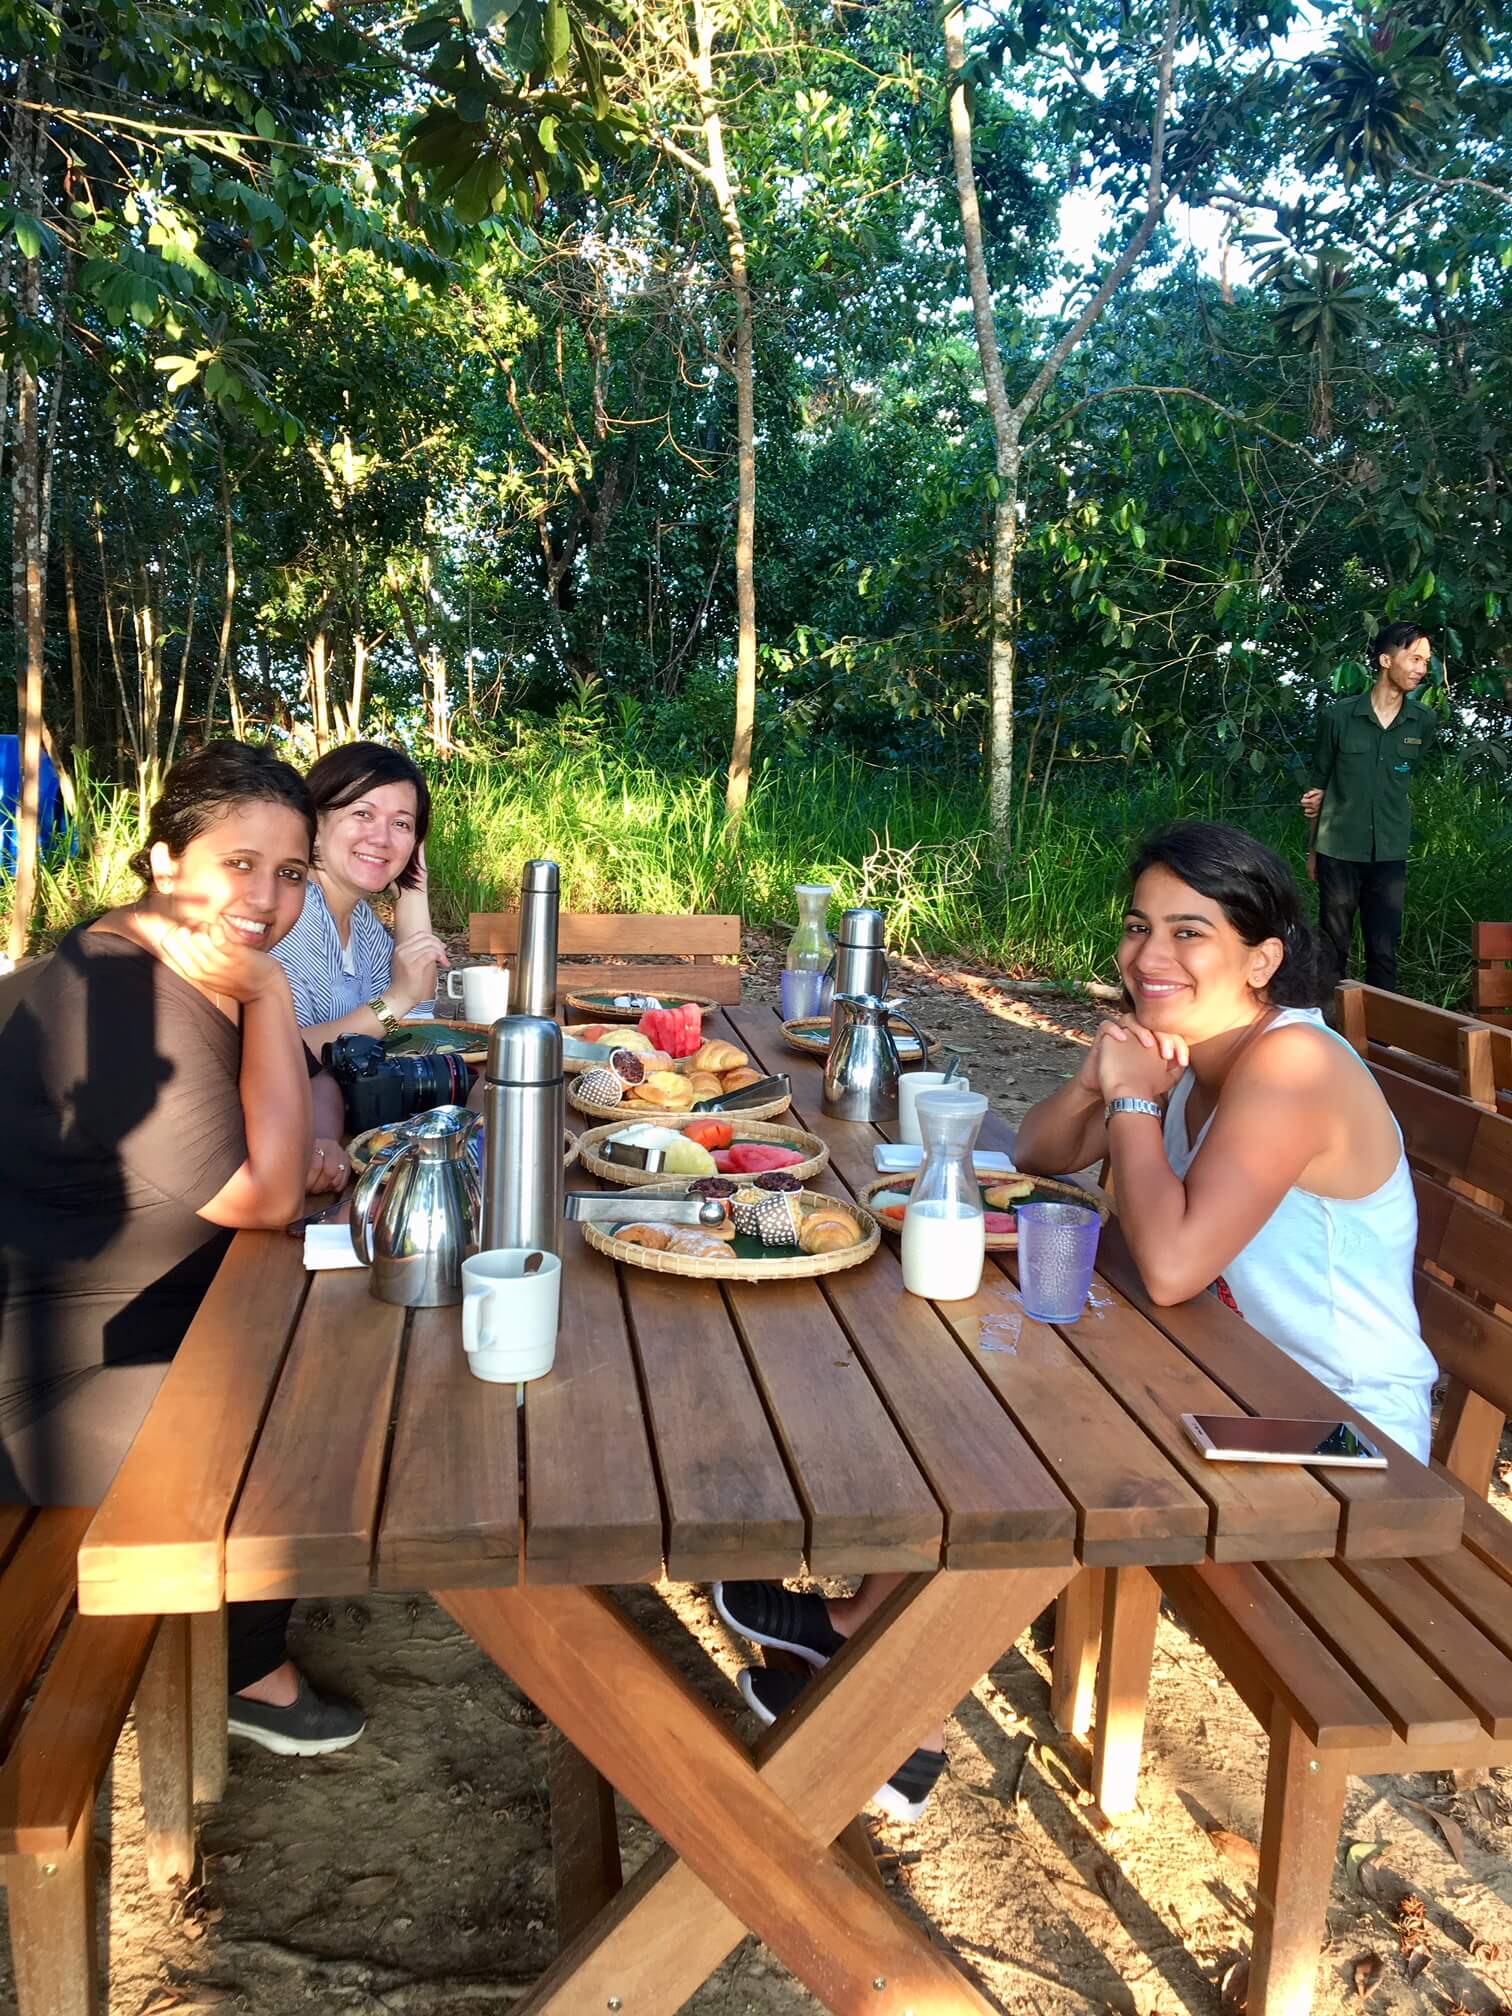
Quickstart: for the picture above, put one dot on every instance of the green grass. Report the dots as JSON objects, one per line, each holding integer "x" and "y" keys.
{"x": 629, "y": 837}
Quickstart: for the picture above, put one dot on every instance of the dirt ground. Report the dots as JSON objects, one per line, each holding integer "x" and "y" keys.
{"x": 412, "y": 1873}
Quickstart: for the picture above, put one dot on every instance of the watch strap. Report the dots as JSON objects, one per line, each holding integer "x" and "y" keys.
{"x": 386, "y": 1016}
{"x": 1149, "y": 1106}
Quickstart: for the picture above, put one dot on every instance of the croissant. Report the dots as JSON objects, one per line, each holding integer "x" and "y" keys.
{"x": 718, "y": 1056}
{"x": 696, "y": 1244}
{"x": 674, "y": 1098}
{"x": 829, "y": 1229}
{"x": 704, "y": 1084}
{"x": 658, "y": 1237}
{"x": 733, "y": 1081}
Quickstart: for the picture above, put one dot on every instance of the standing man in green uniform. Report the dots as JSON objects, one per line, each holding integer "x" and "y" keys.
{"x": 1368, "y": 748}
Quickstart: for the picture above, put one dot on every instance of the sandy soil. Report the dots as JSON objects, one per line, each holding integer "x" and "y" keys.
{"x": 413, "y": 1872}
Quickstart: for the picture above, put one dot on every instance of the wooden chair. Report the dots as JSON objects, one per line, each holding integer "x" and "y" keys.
{"x": 1491, "y": 947}
{"x": 600, "y": 945}
{"x": 1356, "y": 1667}
{"x": 57, "y": 1746}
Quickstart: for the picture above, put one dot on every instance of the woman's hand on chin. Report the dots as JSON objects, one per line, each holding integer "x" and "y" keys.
{"x": 207, "y": 958}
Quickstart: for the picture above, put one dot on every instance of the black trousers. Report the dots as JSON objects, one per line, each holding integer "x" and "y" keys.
{"x": 1377, "y": 891}
{"x": 254, "y": 1642}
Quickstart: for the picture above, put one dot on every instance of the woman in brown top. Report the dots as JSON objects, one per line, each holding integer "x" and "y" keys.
{"x": 158, "y": 1099}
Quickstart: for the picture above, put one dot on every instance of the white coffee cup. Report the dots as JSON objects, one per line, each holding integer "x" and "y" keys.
{"x": 509, "y": 1317}
{"x": 483, "y": 992}
{"x": 910, "y": 1085}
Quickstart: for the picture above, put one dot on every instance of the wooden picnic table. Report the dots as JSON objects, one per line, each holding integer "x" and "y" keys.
{"x": 311, "y": 1441}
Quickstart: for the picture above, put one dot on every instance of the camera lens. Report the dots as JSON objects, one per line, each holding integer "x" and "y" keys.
{"x": 435, "y": 1078}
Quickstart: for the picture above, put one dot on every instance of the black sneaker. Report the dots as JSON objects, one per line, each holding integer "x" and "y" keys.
{"x": 769, "y": 1614}
{"x": 905, "y": 1795}
{"x": 309, "y": 1727}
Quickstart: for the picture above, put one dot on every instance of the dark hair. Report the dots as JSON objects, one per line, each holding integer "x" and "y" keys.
{"x": 1392, "y": 637}
{"x": 206, "y": 784}
{"x": 1256, "y": 892}
{"x": 344, "y": 775}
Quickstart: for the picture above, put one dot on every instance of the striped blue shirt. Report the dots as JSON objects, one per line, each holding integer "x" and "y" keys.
{"x": 329, "y": 979}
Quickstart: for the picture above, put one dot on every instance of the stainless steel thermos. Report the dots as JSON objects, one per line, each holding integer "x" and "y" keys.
{"x": 535, "y": 975}
{"x": 524, "y": 1119}
{"x": 860, "y": 962}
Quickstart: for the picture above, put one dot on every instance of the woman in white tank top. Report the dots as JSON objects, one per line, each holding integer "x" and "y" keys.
{"x": 1252, "y": 1151}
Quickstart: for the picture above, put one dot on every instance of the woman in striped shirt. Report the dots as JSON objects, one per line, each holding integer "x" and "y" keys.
{"x": 348, "y": 974}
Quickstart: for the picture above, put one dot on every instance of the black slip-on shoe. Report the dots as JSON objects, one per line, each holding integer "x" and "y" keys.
{"x": 905, "y": 1795}
{"x": 769, "y": 1614}
{"x": 309, "y": 1727}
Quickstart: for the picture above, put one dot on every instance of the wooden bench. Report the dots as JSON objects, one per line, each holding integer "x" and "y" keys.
{"x": 66, "y": 1684}
{"x": 600, "y": 945}
{"x": 1454, "y": 1053}
{"x": 1362, "y": 1666}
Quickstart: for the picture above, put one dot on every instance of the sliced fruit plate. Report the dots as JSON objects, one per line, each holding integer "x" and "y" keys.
{"x": 730, "y": 1146}
{"x": 645, "y": 1084}
{"x": 362, "y": 1148}
{"x": 811, "y": 1037}
{"x": 825, "y": 1234}
{"x": 625, "y": 1004}
{"x": 1002, "y": 1195}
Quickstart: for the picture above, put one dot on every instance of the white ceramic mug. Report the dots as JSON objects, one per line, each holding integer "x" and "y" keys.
{"x": 509, "y": 1317}
{"x": 483, "y": 992}
{"x": 910, "y": 1085}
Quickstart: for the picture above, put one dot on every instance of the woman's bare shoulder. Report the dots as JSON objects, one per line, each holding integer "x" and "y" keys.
{"x": 1300, "y": 1057}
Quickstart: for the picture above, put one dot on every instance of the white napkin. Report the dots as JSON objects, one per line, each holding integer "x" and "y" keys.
{"x": 893, "y": 1158}
{"x": 329, "y": 1246}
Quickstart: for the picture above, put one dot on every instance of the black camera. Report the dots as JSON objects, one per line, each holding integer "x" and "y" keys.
{"x": 377, "y": 1089}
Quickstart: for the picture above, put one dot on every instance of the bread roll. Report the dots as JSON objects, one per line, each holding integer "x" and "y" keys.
{"x": 828, "y": 1229}
{"x": 1003, "y": 1196}
{"x": 704, "y": 1084}
{"x": 694, "y": 1243}
{"x": 718, "y": 1056}
{"x": 734, "y": 1081}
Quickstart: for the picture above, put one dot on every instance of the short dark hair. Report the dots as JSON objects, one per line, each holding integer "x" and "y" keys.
{"x": 207, "y": 783}
{"x": 1393, "y": 637}
{"x": 1256, "y": 892}
{"x": 344, "y": 775}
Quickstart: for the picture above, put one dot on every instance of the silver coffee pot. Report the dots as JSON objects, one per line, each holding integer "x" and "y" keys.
{"x": 862, "y": 1069}
{"x": 417, "y": 1209}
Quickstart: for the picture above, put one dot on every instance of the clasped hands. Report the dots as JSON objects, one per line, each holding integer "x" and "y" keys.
{"x": 1128, "y": 1061}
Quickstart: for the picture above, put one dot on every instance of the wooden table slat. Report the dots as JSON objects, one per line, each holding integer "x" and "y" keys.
{"x": 731, "y": 1506}
{"x": 597, "y": 1520}
{"x": 1002, "y": 1507}
{"x": 1132, "y": 1503}
{"x": 1402, "y": 1509}
{"x": 308, "y": 1516}
{"x": 867, "y": 1507}
{"x": 453, "y": 1492}
{"x": 158, "y": 1542}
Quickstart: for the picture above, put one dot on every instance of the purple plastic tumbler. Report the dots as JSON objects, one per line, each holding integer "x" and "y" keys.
{"x": 1056, "y": 1250}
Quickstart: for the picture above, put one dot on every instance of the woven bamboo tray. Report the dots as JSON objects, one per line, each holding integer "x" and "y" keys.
{"x": 733, "y": 1266}
{"x": 600, "y": 1007}
{"x": 363, "y": 1147}
{"x": 810, "y": 1037}
{"x": 1048, "y": 1189}
{"x": 745, "y": 1130}
{"x": 633, "y": 1109}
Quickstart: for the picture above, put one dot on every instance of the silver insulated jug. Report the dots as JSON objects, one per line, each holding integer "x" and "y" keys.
{"x": 860, "y": 962}
{"x": 535, "y": 979}
{"x": 417, "y": 1210}
{"x": 524, "y": 1119}
{"x": 862, "y": 1069}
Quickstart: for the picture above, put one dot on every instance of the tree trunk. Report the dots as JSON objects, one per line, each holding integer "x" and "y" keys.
{"x": 75, "y": 648}
{"x": 359, "y": 680}
{"x": 1000, "y": 658}
{"x": 223, "y": 672}
{"x": 319, "y": 691}
{"x": 738, "y": 787}
{"x": 30, "y": 638}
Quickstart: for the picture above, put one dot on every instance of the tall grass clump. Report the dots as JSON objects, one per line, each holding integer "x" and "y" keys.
{"x": 632, "y": 835}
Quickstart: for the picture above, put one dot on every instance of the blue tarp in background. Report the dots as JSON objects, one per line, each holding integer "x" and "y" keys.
{"x": 10, "y": 799}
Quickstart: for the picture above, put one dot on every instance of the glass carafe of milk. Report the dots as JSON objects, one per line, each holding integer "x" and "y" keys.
{"x": 945, "y": 1225}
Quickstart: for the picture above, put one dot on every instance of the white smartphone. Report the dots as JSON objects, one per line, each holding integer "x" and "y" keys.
{"x": 1254, "y": 1438}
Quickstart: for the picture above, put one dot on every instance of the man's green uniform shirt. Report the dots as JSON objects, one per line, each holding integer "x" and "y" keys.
{"x": 1364, "y": 771}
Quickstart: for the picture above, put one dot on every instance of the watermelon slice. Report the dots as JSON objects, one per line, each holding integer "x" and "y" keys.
{"x": 1001, "y": 1221}
{"x": 755, "y": 1158}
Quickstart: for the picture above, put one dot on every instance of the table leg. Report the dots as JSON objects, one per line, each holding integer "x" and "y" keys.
{"x": 754, "y": 1835}
{"x": 1078, "y": 1637}
{"x": 584, "y": 1838}
{"x": 163, "y": 1750}
{"x": 207, "y": 1702}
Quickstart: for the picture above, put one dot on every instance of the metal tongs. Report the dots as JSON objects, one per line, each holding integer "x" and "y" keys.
{"x": 617, "y": 1205}
{"x": 576, "y": 1051}
{"x": 778, "y": 1087}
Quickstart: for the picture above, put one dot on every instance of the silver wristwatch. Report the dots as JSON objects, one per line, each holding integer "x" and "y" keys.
{"x": 1149, "y": 1106}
